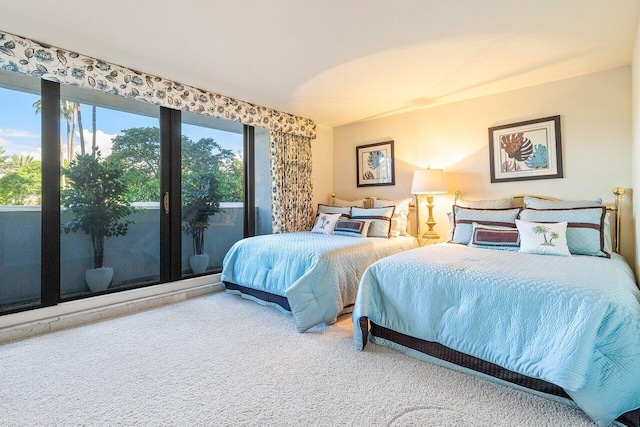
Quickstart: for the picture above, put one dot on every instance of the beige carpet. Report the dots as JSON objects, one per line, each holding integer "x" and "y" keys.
{"x": 220, "y": 360}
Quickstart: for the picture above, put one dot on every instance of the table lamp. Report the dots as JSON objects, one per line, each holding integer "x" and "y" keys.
{"x": 428, "y": 181}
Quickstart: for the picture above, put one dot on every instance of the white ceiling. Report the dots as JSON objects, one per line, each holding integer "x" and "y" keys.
{"x": 341, "y": 61}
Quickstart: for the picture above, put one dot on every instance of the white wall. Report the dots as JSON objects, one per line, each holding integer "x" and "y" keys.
{"x": 595, "y": 115}
{"x": 635, "y": 77}
{"x": 322, "y": 172}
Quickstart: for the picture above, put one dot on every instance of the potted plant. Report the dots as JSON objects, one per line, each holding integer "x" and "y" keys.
{"x": 200, "y": 200}
{"x": 95, "y": 198}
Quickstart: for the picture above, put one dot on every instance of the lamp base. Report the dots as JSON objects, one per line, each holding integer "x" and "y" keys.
{"x": 431, "y": 235}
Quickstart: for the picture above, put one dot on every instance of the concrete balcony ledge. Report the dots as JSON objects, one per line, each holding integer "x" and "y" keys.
{"x": 65, "y": 315}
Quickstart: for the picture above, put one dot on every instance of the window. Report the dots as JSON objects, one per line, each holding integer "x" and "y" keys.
{"x": 107, "y": 181}
{"x": 20, "y": 193}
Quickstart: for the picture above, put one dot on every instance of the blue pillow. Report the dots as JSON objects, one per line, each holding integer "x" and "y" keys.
{"x": 463, "y": 219}
{"x": 585, "y": 228}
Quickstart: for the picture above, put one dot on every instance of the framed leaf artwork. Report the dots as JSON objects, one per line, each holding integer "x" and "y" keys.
{"x": 526, "y": 150}
{"x": 375, "y": 164}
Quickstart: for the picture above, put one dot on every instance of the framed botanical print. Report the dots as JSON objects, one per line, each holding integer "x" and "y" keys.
{"x": 526, "y": 150}
{"x": 375, "y": 164}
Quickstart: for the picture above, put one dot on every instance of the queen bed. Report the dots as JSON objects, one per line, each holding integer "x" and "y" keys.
{"x": 566, "y": 325}
{"x": 315, "y": 275}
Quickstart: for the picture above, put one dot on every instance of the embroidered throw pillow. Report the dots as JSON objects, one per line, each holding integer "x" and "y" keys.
{"x": 399, "y": 220}
{"x": 585, "y": 228}
{"x": 325, "y": 223}
{"x": 543, "y": 238}
{"x": 492, "y": 237}
{"x": 380, "y": 219}
{"x": 352, "y": 227}
{"x": 463, "y": 219}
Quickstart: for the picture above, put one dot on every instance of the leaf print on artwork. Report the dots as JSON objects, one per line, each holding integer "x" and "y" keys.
{"x": 517, "y": 148}
{"x": 375, "y": 159}
{"x": 539, "y": 159}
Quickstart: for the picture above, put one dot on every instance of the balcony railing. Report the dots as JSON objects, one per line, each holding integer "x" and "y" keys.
{"x": 134, "y": 258}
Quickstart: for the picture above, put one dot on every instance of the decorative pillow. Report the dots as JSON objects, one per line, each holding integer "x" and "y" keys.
{"x": 463, "y": 219}
{"x": 345, "y": 211}
{"x": 399, "y": 219}
{"x": 537, "y": 203}
{"x": 352, "y": 227}
{"x": 543, "y": 238}
{"x": 325, "y": 223}
{"x": 380, "y": 219}
{"x": 585, "y": 228}
{"x": 348, "y": 203}
{"x": 505, "y": 203}
{"x": 493, "y": 237}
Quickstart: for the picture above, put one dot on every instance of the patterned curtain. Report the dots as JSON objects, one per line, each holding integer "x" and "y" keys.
{"x": 291, "y": 186}
{"x": 24, "y": 56}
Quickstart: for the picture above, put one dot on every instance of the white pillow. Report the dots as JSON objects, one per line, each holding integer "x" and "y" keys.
{"x": 543, "y": 238}
{"x": 346, "y": 203}
{"x": 325, "y": 223}
{"x": 399, "y": 219}
{"x": 504, "y": 203}
{"x": 344, "y": 211}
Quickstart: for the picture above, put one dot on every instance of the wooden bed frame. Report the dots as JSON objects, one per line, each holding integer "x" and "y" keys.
{"x": 504, "y": 376}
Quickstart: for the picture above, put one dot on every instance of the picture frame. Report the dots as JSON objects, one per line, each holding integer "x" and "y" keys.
{"x": 526, "y": 150}
{"x": 375, "y": 164}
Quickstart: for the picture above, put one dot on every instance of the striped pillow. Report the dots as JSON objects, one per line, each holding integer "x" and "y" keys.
{"x": 585, "y": 228}
{"x": 380, "y": 219}
{"x": 463, "y": 219}
{"x": 492, "y": 237}
{"x": 352, "y": 227}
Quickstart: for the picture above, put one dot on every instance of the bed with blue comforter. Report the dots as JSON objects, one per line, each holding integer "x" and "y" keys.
{"x": 313, "y": 276}
{"x": 572, "y": 323}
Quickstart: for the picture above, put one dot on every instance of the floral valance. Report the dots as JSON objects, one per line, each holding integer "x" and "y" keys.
{"x": 35, "y": 59}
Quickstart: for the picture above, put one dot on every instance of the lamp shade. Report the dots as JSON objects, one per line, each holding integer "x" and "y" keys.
{"x": 428, "y": 181}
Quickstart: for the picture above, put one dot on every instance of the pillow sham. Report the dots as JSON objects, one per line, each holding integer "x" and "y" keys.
{"x": 585, "y": 228}
{"x": 348, "y": 203}
{"x": 504, "y": 203}
{"x": 543, "y": 238}
{"x": 463, "y": 219}
{"x": 399, "y": 219}
{"x": 326, "y": 209}
{"x": 380, "y": 219}
{"x": 352, "y": 227}
{"x": 537, "y": 203}
{"x": 494, "y": 237}
{"x": 325, "y": 223}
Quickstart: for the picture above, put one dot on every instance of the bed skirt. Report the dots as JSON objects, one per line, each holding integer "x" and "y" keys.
{"x": 439, "y": 351}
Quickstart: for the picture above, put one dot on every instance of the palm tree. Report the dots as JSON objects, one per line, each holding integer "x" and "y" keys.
{"x": 541, "y": 229}
{"x": 4, "y": 164}
{"x": 17, "y": 162}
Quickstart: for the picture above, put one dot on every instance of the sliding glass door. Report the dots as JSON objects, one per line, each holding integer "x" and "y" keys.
{"x": 109, "y": 193}
{"x": 100, "y": 193}
{"x": 20, "y": 193}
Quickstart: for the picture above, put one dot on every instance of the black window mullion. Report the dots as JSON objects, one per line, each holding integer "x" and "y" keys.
{"x": 249, "y": 181}
{"x": 50, "y": 112}
{"x": 170, "y": 178}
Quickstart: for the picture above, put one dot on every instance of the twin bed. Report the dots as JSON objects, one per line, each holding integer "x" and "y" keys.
{"x": 315, "y": 275}
{"x": 565, "y": 327}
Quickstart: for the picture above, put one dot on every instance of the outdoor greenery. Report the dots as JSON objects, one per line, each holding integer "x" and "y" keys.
{"x": 137, "y": 150}
{"x": 95, "y": 198}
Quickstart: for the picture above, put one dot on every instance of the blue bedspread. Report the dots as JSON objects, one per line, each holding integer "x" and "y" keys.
{"x": 318, "y": 273}
{"x": 572, "y": 321}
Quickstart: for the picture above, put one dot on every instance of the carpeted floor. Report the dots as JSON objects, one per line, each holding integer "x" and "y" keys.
{"x": 220, "y": 360}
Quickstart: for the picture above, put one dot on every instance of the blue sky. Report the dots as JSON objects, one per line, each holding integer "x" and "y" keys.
{"x": 20, "y": 126}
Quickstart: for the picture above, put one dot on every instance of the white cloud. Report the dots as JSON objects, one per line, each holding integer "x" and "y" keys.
{"x": 104, "y": 141}
{"x": 13, "y": 133}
